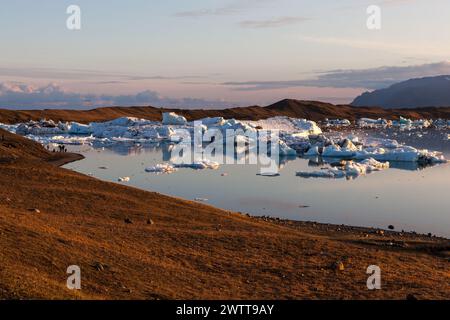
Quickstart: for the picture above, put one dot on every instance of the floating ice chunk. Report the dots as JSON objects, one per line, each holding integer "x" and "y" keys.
{"x": 348, "y": 145}
{"x": 78, "y": 128}
{"x": 422, "y": 123}
{"x": 293, "y": 126}
{"x": 171, "y": 118}
{"x": 199, "y": 165}
{"x": 402, "y": 154}
{"x": 405, "y": 121}
{"x": 329, "y": 174}
{"x": 161, "y": 168}
{"x": 306, "y": 127}
{"x": 215, "y": 122}
{"x": 350, "y": 170}
{"x": 338, "y": 122}
{"x": 382, "y": 143}
{"x": 367, "y": 122}
{"x": 335, "y": 151}
{"x": 285, "y": 150}
{"x": 313, "y": 151}
{"x": 374, "y": 165}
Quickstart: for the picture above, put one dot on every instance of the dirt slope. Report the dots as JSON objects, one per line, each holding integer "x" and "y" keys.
{"x": 192, "y": 251}
{"x": 312, "y": 110}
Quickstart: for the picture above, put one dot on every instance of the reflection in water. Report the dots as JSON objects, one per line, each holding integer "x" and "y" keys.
{"x": 166, "y": 148}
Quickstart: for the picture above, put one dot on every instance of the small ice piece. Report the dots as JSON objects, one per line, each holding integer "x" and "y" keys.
{"x": 214, "y": 122}
{"x": 161, "y": 168}
{"x": 199, "y": 165}
{"x": 350, "y": 170}
{"x": 124, "y": 179}
{"x": 338, "y": 122}
{"x": 78, "y": 128}
{"x": 334, "y": 151}
{"x": 285, "y": 150}
{"x": 367, "y": 122}
{"x": 313, "y": 151}
{"x": 171, "y": 118}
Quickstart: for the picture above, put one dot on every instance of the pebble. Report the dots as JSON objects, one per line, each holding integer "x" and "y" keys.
{"x": 339, "y": 266}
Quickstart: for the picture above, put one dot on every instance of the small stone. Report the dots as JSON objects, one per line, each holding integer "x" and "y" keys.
{"x": 35, "y": 210}
{"x": 339, "y": 266}
{"x": 128, "y": 221}
{"x": 391, "y": 227}
{"x": 150, "y": 221}
{"x": 99, "y": 266}
{"x": 411, "y": 297}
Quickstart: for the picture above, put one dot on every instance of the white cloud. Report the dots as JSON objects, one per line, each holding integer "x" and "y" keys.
{"x": 19, "y": 96}
{"x": 273, "y": 23}
{"x": 373, "y": 78}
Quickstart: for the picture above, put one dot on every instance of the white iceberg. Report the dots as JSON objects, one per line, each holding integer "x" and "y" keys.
{"x": 161, "y": 168}
{"x": 350, "y": 170}
{"x": 199, "y": 165}
{"x": 171, "y": 118}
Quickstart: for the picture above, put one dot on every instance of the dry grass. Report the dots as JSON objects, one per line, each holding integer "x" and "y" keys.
{"x": 192, "y": 251}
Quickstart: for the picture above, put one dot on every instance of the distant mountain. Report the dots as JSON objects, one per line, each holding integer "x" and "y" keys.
{"x": 414, "y": 93}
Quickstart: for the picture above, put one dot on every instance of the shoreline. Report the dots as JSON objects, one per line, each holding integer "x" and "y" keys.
{"x": 135, "y": 244}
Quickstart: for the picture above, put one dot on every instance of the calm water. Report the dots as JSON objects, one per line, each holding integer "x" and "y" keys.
{"x": 405, "y": 196}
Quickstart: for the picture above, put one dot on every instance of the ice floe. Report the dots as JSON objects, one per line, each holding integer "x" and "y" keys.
{"x": 161, "y": 168}
{"x": 348, "y": 169}
{"x": 171, "y": 118}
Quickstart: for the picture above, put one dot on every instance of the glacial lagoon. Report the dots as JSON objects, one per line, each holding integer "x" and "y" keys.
{"x": 408, "y": 196}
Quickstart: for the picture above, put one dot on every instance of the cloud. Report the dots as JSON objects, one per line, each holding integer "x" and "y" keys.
{"x": 20, "y": 96}
{"x": 273, "y": 23}
{"x": 83, "y": 74}
{"x": 432, "y": 49}
{"x": 374, "y": 78}
{"x": 232, "y": 8}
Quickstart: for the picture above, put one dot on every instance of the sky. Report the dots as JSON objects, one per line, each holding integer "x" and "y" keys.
{"x": 214, "y": 53}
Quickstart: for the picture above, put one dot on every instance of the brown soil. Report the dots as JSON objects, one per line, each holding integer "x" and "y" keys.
{"x": 311, "y": 110}
{"x": 192, "y": 251}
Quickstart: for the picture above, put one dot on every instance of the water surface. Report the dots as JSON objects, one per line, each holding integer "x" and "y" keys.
{"x": 406, "y": 196}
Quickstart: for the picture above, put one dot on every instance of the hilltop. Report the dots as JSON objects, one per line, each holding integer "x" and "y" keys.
{"x": 312, "y": 110}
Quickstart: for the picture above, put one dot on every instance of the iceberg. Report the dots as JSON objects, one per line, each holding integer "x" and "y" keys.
{"x": 78, "y": 128}
{"x": 335, "y": 151}
{"x": 171, "y": 118}
{"x": 161, "y": 168}
{"x": 199, "y": 165}
{"x": 349, "y": 170}
{"x": 338, "y": 122}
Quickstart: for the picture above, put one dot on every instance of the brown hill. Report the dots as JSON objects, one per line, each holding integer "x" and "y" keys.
{"x": 51, "y": 218}
{"x": 312, "y": 110}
